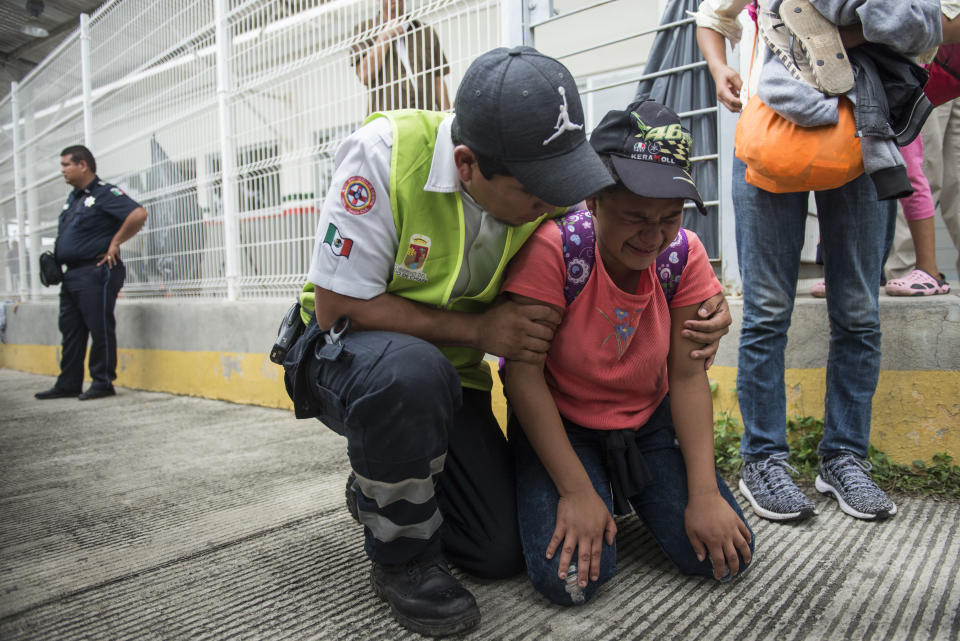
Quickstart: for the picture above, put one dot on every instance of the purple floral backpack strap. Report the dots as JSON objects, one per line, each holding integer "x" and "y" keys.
{"x": 670, "y": 264}
{"x": 577, "y": 233}
{"x": 576, "y": 229}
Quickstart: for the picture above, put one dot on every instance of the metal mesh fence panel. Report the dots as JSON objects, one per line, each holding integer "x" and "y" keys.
{"x": 298, "y": 94}
{"x": 150, "y": 88}
{"x": 154, "y": 121}
{"x": 50, "y": 106}
{"x": 222, "y": 118}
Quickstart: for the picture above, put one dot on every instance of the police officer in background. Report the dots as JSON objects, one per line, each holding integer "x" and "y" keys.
{"x": 96, "y": 219}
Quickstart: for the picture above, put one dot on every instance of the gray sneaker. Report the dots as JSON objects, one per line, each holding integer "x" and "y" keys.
{"x": 845, "y": 478}
{"x": 771, "y": 491}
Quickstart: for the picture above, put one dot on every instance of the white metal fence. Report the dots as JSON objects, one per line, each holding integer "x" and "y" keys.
{"x": 221, "y": 117}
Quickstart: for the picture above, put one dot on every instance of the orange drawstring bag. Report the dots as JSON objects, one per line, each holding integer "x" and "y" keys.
{"x": 783, "y": 157}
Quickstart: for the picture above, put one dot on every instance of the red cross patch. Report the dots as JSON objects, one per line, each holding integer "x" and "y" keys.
{"x": 358, "y": 195}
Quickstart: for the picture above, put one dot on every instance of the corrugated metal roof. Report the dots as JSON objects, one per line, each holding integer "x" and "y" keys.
{"x": 19, "y": 52}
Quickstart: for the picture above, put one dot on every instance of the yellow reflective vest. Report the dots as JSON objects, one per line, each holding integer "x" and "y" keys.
{"x": 430, "y": 237}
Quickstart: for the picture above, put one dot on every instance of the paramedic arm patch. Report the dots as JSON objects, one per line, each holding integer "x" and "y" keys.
{"x": 357, "y": 195}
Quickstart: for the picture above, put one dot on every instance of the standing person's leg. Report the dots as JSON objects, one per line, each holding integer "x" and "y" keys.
{"x": 537, "y": 498}
{"x": 770, "y": 233}
{"x": 394, "y": 397}
{"x": 902, "y": 258}
{"x": 941, "y": 140}
{"x": 918, "y": 209}
{"x": 477, "y": 493}
{"x": 853, "y": 225}
{"x": 950, "y": 190}
{"x": 662, "y": 504}
{"x": 74, "y": 334}
{"x": 98, "y": 303}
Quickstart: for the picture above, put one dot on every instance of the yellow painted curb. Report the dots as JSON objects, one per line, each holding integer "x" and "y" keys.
{"x": 240, "y": 378}
{"x": 916, "y": 414}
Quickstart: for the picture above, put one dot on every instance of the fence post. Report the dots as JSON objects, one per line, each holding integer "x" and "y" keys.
{"x": 18, "y": 193}
{"x": 32, "y": 199}
{"x": 86, "y": 80}
{"x": 231, "y": 236}
{"x": 520, "y": 18}
{"x": 726, "y": 127}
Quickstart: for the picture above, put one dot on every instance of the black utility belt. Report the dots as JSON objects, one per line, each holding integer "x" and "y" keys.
{"x": 87, "y": 263}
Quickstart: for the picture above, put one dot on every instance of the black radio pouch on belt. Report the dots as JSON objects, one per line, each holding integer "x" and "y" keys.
{"x": 290, "y": 330}
{"x": 50, "y": 271}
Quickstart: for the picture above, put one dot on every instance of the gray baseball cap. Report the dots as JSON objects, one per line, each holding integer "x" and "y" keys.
{"x": 522, "y": 108}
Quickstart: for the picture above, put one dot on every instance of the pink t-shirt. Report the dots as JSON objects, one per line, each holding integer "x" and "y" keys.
{"x": 607, "y": 365}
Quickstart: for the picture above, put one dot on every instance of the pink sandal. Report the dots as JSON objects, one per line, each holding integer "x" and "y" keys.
{"x": 819, "y": 289}
{"x": 917, "y": 283}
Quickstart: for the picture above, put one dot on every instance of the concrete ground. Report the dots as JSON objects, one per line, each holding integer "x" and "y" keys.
{"x": 152, "y": 516}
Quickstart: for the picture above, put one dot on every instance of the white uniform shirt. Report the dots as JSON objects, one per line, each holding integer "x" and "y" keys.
{"x": 356, "y": 245}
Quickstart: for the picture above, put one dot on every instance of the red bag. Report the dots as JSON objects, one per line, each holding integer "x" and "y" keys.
{"x": 944, "y": 83}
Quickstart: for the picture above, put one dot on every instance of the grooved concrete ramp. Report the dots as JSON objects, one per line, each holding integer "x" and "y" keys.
{"x": 151, "y": 516}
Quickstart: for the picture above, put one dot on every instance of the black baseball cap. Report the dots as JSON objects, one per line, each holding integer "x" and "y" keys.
{"x": 650, "y": 150}
{"x": 521, "y": 108}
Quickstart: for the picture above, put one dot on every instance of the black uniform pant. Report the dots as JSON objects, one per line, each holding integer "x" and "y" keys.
{"x": 88, "y": 296}
{"x": 433, "y": 469}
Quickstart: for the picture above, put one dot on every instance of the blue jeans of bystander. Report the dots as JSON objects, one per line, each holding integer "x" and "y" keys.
{"x": 770, "y": 234}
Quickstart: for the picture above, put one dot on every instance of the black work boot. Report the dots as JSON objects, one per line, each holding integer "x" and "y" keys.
{"x": 425, "y": 597}
{"x": 55, "y": 392}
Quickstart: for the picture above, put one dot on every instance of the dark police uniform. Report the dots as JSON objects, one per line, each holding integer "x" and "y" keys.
{"x": 88, "y": 222}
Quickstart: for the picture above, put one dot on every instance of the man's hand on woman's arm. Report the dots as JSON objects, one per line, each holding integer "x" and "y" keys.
{"x": 714, "y": 324}
{"x": 508, "y": 329}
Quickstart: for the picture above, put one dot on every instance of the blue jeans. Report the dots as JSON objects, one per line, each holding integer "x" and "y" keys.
{"x": 660, "y": 505}
{"x": 853, "y": 239}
